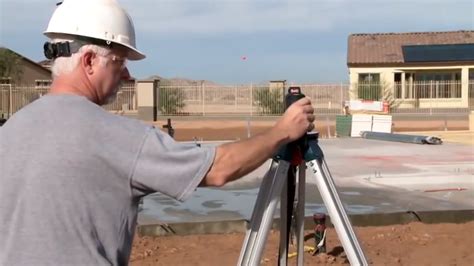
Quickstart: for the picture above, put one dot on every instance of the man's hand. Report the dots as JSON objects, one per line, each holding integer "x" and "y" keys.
{"x": 297, "y": 120}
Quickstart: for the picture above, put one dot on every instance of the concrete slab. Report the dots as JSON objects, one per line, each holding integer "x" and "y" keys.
{"x": 373, "y": 177}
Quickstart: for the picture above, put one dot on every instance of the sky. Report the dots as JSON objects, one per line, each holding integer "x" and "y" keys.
{"x": 243, "y": 41}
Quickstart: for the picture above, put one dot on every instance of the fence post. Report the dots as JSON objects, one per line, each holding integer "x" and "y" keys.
{"x": 342, "y": 97}
{"x": 134, "y": 97}
{"x": 10, "y": 101}
{"x": 251, "y": 99}
{"x": 328, "y": 127}
{"x": 431, "y": 97}
{"x": 248, "y": 128}
{"x": 156, "y": 99}
{"x": 235, "y": 99}
{"x": 203, "y": 98}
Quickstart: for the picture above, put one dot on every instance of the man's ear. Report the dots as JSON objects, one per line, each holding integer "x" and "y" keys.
{"x": 87, "y": 62}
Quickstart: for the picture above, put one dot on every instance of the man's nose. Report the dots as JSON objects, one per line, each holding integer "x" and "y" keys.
{"x": 125, "y": 74}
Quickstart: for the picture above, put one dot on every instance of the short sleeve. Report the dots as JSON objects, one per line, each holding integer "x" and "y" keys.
{"x": 172, "y": 168}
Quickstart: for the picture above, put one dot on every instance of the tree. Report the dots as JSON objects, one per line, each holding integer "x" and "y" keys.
{"x": 171, "y": 100}
{"x": 269, "y": 101}
{"x": 10, "y": 64}
{"x": 388, "y": 96}
{"x": 369, "y": 90}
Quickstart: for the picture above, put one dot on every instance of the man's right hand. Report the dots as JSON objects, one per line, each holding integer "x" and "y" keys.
{"x": 297, "y": 120}
{"x": 234, "y": 160}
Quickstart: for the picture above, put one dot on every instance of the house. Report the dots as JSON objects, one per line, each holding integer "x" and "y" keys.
{"x": 47, "y": 63}
{"x": 417, "y": 69}
{"x": 30, "y": 73}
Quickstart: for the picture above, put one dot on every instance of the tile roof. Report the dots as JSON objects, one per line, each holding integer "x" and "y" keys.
{"x": 387, "y": 47}
{"x": 26, "y": 59}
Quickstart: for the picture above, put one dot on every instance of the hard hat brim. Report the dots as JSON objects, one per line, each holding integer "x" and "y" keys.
{"x": 134, "y": 54}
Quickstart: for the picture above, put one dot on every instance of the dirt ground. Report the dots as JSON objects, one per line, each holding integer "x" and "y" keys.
{"x": 207, "y": 130}
{"x": 409, "y": 244}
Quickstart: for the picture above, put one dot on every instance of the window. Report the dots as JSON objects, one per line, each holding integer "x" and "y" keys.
{"x": 5, "y": 81}
{"x": 42, "y": 83}
{"x": 369, "y": 77}
{"x": 369, "y": 87}
{"x": 437, "y": 84}
{"x": 433, "y": 84}
{"x": 398, "y": 85}
{"x": 471, "y": 89}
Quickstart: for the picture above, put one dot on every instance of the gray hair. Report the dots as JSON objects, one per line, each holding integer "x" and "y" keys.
{"x": 65, "y": 65}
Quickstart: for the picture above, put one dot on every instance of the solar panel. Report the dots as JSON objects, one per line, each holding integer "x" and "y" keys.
{"x": 438, "y": 53}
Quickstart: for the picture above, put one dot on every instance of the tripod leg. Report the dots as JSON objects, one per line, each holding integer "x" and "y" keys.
{"x": 262, "y": 216}
{"x": 338, "y": 215}
{"x": 286, "y": 215}
{"x": 283, "y": 250}
{"x": 300, "y": 213}
{"x": 260, "y": 204}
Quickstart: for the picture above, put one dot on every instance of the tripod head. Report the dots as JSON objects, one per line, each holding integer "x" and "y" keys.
{"x": 295, "y": 151}
{"x": 294, "y": 94}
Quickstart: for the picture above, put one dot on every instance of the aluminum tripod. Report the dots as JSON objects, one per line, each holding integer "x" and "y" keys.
{"x": 280, "y": 175}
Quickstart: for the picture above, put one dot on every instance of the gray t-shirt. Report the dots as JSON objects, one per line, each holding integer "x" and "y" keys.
{"x": 71, "y": 177}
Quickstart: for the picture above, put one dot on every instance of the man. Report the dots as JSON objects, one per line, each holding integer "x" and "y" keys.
{"x": 73, "y": 174}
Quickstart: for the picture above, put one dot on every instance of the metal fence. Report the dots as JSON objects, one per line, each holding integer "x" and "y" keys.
{"x": 126, "y": 99}
{"x": 261, "y": 100}
{"x": 408, "y": 90}
{"x": 15, "y": 97}
{"x": 253, "y": 100}
{"x": 328, "y": 99}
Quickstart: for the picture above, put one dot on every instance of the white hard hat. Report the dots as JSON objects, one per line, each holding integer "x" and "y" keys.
{"x": 96, "y": 20}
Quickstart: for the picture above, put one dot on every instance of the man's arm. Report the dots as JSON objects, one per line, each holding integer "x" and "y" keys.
{"x": 234, "y": 160}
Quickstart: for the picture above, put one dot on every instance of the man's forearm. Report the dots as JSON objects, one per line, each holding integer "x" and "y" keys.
{"x": 237, "y": 159}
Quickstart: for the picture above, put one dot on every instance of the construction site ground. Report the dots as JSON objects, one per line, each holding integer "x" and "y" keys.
{"x": 407, "y": 244}
{"x": 439, "y": 190}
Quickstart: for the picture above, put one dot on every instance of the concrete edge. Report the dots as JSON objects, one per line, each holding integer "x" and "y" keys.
{"x": 240, "y": 226}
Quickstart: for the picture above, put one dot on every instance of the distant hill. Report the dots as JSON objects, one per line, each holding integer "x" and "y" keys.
{"x": 182, "y": 81}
